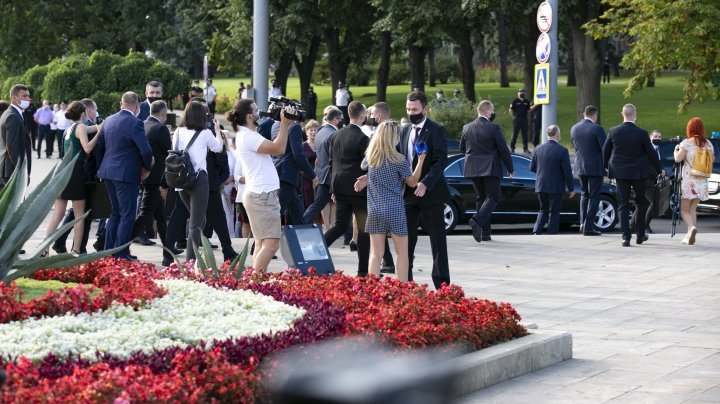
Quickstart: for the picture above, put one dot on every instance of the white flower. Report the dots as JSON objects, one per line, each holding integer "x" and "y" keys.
{"x": 189, "y": 313}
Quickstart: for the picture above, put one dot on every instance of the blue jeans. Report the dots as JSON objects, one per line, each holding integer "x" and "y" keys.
{"x": 122, "y": 215}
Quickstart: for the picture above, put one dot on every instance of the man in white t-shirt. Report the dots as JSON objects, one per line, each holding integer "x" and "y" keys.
{"x": 210, "y": 96}
{"x": 261, "y": 179}
{"x": 342, "y": 99}
{"x": 62, "y": 124}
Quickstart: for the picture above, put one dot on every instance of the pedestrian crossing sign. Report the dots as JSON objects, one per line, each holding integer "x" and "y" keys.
{"x": 542, "y": 83}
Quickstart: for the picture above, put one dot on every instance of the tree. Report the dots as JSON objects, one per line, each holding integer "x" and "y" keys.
{"x": 669, "y": 34}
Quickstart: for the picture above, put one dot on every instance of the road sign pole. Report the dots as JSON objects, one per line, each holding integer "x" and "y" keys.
{"x": 549, "y": 111}
{"x": 261, "y": 24}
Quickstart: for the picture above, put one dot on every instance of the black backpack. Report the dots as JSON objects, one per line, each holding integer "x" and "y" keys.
{"x": 179, "y": 171}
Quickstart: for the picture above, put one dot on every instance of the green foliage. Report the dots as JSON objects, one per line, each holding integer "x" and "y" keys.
{"x": 68, "y": 83}
{"x": 99, "y": 65}
{"x": 674, "y": 34}
{"x": 453, "y": 115}
{"x": 34, "y": 289}
{"x": 399, "y": 71}
{"x": 7, "y": 85}
{"x": 490, "y": 73}
{"x": 20, "y": 217}
{"x": 132, "y": 73}
{"x": 447, "y": 69}
{"x": 321, "y": 74}
{"x": 107, "y": 103}
{"x": 34, "y": 78}
{"x": 359, "y": 74}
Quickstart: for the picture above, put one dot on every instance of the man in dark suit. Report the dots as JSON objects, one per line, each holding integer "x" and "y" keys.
{"x": 323, "y": 141}
{"x": 485, "y": 153}
{"x": 588, "y": 138}
{"x": 153, "y": 92}
{"x": 15, "y": 145}
{"x": 427, "y": 201}
{"x": 348, "y": 150}
{"x": 626, "y": 155}
{"x": 152, "y": 206}
{"x": 289, "y": 165}
{"x": 650, "y": 190}
{"x": 126, "y": 159}
{"x": 551, "y": 162}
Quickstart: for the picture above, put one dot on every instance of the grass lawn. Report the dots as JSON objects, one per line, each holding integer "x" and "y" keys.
{"x": 34, "y": 289}
{"x": 657, "y": 107}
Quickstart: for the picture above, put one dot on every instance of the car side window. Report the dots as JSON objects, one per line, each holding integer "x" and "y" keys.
{"x": 455, "y": 169}
{"x": 522, "y": 168}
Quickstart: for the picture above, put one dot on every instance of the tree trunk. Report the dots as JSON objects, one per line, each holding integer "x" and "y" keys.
{"x": 417, "y": 67}
{"x": 466, "y": 65}
{"x": 529, "y": 65}
{"x": 431, "y": 65}
{"x": 383, "y": 72}
{"x": 336, "y": 64}
{"x": 306, "y": 66}
{"x": 502, "y": 49}
{"x": 571, "y": 79}
{"x": 282, "y": 71}
{"x": 588, "y": 59}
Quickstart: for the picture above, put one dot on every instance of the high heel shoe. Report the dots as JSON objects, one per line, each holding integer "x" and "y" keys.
{"x": 691, "y": 236}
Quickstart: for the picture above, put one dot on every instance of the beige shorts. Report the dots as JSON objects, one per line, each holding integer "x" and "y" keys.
{"x": 263, "y": 212}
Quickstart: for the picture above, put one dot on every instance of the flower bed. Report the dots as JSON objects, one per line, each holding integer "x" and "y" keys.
{"x": 406, "y": 315}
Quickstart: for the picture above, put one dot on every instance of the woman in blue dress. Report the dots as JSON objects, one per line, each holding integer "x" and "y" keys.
{"x": 388, "y": 173}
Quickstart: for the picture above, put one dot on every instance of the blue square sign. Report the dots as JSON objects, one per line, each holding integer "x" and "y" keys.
{"x": 542, "y": 83}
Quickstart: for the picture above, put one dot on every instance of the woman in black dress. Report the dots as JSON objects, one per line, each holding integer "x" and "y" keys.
{"x": 76, "y": 144}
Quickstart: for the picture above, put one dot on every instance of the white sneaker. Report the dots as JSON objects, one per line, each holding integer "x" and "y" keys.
{"x": 691, "y": 236}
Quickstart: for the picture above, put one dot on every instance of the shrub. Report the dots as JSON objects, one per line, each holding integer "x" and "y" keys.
{"x": 35, "y": 78}
{"x": 447, "y": 69}
{"x": 107, "y": 103}
{"x": 68, "y": 83}
{"x": 131, "y": 75}
{"x": 223, "y": 104}
{"x": 174, "y": 82}
{"x": 453, "y": 115}
{"x": 490, "y": 73}
{"x": 359, "y": 75}
{"x": 321, "y": 74}
{"x": 100, "y": 65}
{"x": 7, "y": 85}
{"x": 399, "y": 71}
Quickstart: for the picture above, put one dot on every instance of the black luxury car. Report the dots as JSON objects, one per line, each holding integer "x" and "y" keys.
{"x": 518, "y": 201}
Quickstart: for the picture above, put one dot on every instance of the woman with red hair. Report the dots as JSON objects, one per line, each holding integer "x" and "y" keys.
{"x": 694, "y": 188}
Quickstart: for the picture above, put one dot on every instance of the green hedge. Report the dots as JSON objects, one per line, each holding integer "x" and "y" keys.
{"x": 101, "y": 76}
{"x": 453, "y": 115}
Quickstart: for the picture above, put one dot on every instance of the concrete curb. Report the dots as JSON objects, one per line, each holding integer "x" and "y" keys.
{"x": 493, "y": 365}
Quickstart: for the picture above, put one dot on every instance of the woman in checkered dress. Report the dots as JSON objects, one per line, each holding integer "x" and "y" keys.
{"x": 388, "y": 173}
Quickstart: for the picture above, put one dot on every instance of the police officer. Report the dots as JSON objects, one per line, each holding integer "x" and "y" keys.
{"x": 519, "y": 111}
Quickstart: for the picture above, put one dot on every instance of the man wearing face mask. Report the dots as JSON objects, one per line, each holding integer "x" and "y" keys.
{"x": 153, "y": 92}
{"x": 650, "y": 190}
{"x": 125, "y": 160}
{"x": 427, "y": 201}
{"x": 519, "y": 111}
{"x": 486, "y": 152}
{"x": 14, "y": 140}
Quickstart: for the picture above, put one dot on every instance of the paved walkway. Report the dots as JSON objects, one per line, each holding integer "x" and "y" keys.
{"x": 645, "y": 320}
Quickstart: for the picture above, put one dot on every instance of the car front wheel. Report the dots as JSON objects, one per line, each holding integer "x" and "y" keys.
{"x": 450, "y": 216}
{"x": 607, "y": 215}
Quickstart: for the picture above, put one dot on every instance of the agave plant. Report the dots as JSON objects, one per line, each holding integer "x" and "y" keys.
{"x": 20, "y": 217}
{"x": 206, "y": 264}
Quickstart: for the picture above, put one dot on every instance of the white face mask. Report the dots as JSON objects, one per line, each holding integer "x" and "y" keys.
{"x": 24, "y": 104}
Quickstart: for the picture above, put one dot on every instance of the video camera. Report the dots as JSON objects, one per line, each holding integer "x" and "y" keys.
{"x": 278, "y": 103}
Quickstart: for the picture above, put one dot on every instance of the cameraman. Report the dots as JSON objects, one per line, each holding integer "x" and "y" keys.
{"x": 261, "y": 180}
{"x": 289, "y": 165}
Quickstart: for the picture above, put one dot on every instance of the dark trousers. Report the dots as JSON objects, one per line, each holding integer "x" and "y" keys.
{"x": 433, "y": 220}
{"x": 346, "y": 206}
{"x": 59, "y": 136}
{"x": 151, "y": 207}
{"x": 590, "y": 187}
{"x": 291, "y": 206}
{"x": 549, "y": 213}
{"x": 176, "y": 224}
{"x": 216, "y": 222}
{"x": 122, "y": 215}
{"x": 623, "y": 187}
{"x": 650, "y": 198}
{"x": 346, "y": 116}
{"x": 519, "y": 125}
{"x": 322, "y": 197}
{"x": 195, "y": 200}
{"x": 44, "y": 133}
{"x": 487, "y": 191}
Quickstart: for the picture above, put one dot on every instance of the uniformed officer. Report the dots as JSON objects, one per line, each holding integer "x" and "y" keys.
{"x": 519, "y": 111}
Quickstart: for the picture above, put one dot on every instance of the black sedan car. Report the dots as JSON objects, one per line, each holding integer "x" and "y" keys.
{"x": 518, "y": 202}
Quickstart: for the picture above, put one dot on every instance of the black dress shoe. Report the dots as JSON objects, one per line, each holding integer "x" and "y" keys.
{"x": 626, "y": 243}
{"x": 353, "y": 246}
{"x": 143, "y": 240}
{"x": 59, "y": 249}
{"x": 98, "y": 246}
{"x": 167, "y": 261}
{"x": 387, "y": 270}
{"x": 22, "y": 251}
{"x": 486, "y": 238}
{"x": 592, "y": 233}
{"x": 642, "y": 239}
{"x": 526, "y": 151}
{"x": 214, "y": 246}
{"x": 476, "y": 230}
{"x": 230, "y": 257}
{"x": 132, "y": 257}
{"x": 649, "y": 230}
{"x": 181, "y": 244}
{"x": 176, "y": 251}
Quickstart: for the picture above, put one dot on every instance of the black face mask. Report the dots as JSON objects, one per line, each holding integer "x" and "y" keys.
{"x": 153, "y": 99}
{"x": 492, "y": 116}
{"x": 416, "y": 118}
{"x": 371, "y": 122}
{"x": 657, "y": 142}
